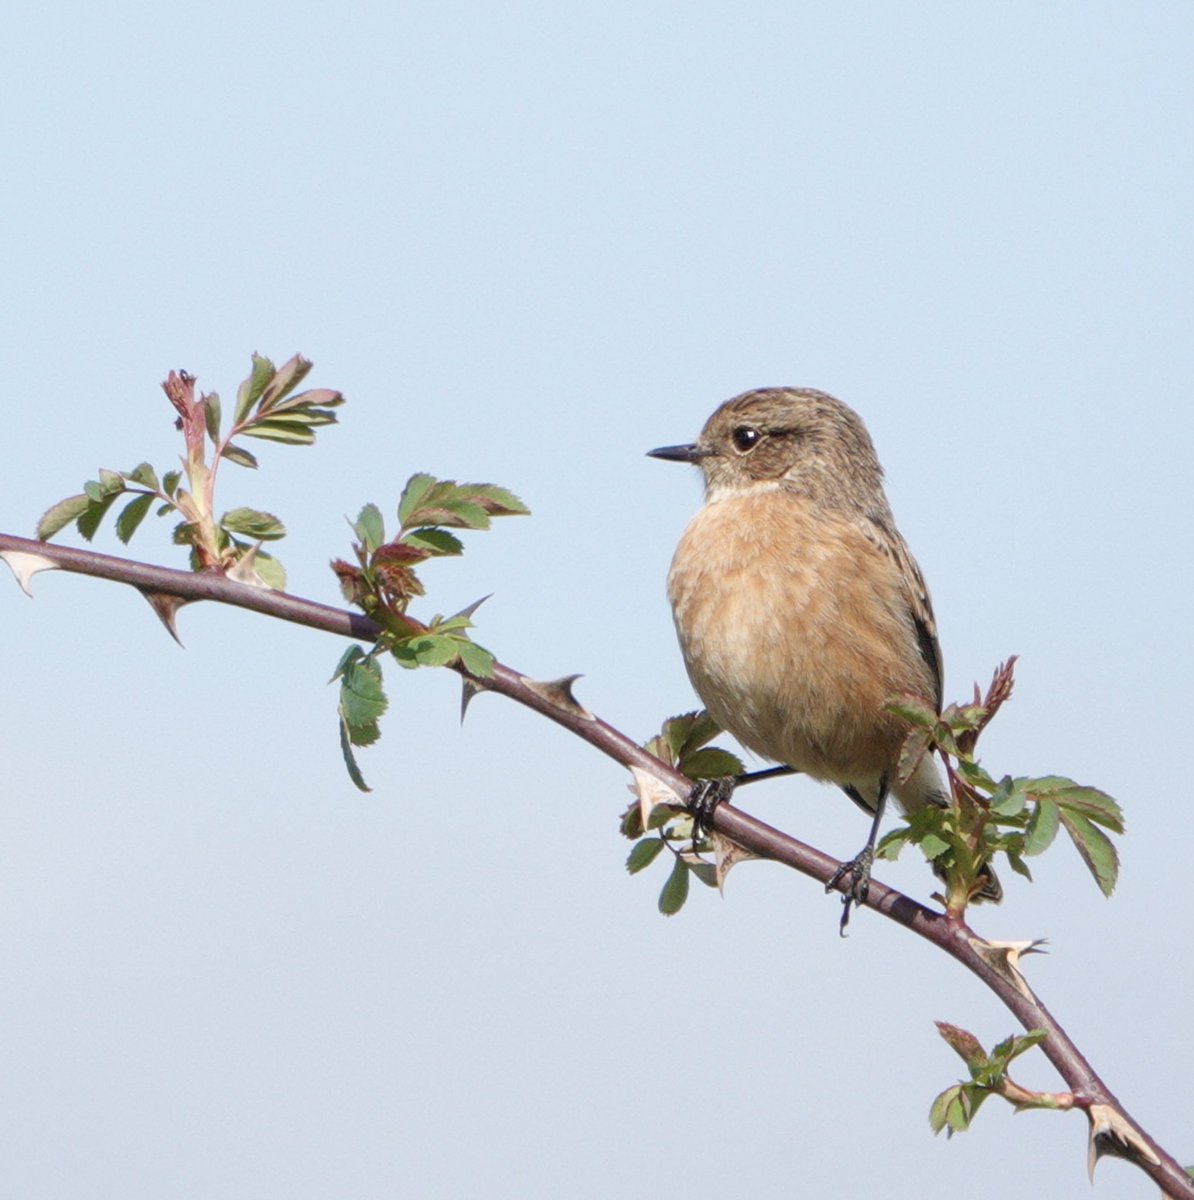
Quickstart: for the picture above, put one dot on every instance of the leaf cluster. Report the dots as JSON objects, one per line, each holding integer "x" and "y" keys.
{"x": 681, "y": 743}
{"x": 383, "y": 581}
{"x": 267, "y": 407}
{"x": 954, "y": 1109}
{"x": 1017, "y": 817}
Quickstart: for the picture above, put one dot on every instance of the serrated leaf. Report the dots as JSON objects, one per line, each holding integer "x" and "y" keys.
{"x": 353, "y": 654}
{"x": 706, "y": 872}
{"x": 270, "y": 570}
{"x": 496, "y": 501}
{"x": 286, "y": 378}
{"x": 699, "y": 729}
{"x": 434, "y": 651}
{"x": 253, "y": 523}
{"x": 1008, "y": 799}
{"x": 170, "y": 482}
{"x": 111, "y": 482}
{"x": 1094, "y": 805}
{"x": 710, "y": 763}
{"x": 675, "y": 890}
{"x": 940, "y": 1110}
{"x": 915, "y": 709}
{"x": 144, "y": 474}
{"x": 643, "y": 853}
{"x": 289, "y": 432}
{"x": 912, "y": 751}
{"x": 89, "y": 521}
{"x": 211, "y": 416}
{"x": 239, "y": 455}
{"x": 438, "y": 541}
{"x": 1095, "y": 848}
{"x": 933, "y": 846}
{"x": 1042, "y": 827}
{"x": 350, "y": 759}
{"x": 370, "y": 527}
{"x": 362, "y": 696}
{"x": 963, "y": 1043}
{"x": 132, "y": 515}
{"x": 476, "y": 659}
{"x": 314, "y": 399}
{"x": 417, "y": 486}
{"x": 60, "y": 515}
{"x": 251, "y": 390}
{"x": 470, "y": 515}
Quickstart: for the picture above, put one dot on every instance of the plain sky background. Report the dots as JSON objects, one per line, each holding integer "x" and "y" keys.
{"x": 530, "y": 241}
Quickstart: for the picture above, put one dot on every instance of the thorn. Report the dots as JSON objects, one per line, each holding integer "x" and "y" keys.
{"x": 726, "y": 856}
{"x": 653, "y": 792}
{"x": 470, "y": 687}
{"x": 1111, "y": 1134}
{"x": 472, "y": 608}
{"x": 166, "y": 606}
{"x": 25, "y": 565}
{"x": 244, "y": 570}
{"x": 558, "y": 693}
{"x": 1005, "y": 957}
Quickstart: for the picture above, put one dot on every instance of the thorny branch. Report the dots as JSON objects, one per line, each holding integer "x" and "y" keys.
{"x": 1112, "y": 1130}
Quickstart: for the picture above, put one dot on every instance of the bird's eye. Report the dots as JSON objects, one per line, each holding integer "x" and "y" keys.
{"x": 745, "y": 437}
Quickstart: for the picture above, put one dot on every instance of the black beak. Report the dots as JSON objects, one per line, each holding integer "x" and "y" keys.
{"x": 689, "y": 454}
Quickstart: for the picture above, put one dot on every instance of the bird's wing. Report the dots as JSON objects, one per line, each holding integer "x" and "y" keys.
{"x": 888, "y": 541}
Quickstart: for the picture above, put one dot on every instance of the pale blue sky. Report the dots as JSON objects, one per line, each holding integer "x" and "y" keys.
{"x": 530, "y": 242}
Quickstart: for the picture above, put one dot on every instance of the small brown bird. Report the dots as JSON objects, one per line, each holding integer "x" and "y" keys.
{"x": 799, "y": 609}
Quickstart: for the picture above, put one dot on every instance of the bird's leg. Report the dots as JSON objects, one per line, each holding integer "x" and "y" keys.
{"x": 858, "y": 869}
{"x": 705, "y": 796}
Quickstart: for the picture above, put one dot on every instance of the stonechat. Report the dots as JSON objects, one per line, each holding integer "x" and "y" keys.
{"x": 799, "y": 608}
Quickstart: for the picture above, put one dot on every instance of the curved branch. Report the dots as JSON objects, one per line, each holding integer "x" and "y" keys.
{"x": 1112, "y": 1130}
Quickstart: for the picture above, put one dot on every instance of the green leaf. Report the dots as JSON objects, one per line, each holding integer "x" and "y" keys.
{"x": 315, "y": 400}
{"x": 362, "y": 697}
{"x": 370, "y": 527}
{"x": 350, "y": 759}
{"x": 963, "y": 1043}
{"x": 144, "y": 474}
{"x": 704, "y": 871}
{"x": 239, "y": 455}
{"x": 939, "y": 1114}
{"x": 353, "y": 654}
{"x": 675, "y": 891}
{"x": 290, "y": 432}
{"x": 643, "y": 853}
{"x": 253, "y": 524}
{"x": 170, "y": 482}
{"x": 417, "y": 486}
{"x": 933, "y": 846}
{"x": 251, "y": 390}
{"x": 439, "y": 541}
{"x": 211, "y": 416}
{"x": 111, "y": 482}
{"x": 434, "y": 651}
{"x": 271, "y": 571}
{"x": 476, "y": 659}
{"x": 286, "y": 378}
{"x": 1095, "y": 848}
{"x": 1009, "y": 797}
{"x": 60, "y": 515}
{"x": 914, "y": 709}
{"x": 496, "y": 501}
{"x": 132, "y": 515}
{"x": 710, "y": 763}
{"x": 1042, "y": 826}
{"x": 89, "y": 521}
{"x": 468, "y": 514}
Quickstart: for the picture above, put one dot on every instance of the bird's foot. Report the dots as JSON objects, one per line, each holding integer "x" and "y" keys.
{"x": 705, "y": 796}
{"x": 857, "y": 877}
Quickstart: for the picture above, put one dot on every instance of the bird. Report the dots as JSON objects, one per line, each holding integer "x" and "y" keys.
{"x": 799, "y": 608}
